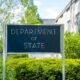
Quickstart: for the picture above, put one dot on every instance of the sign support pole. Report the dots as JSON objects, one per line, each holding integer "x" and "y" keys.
{"x": 4, "y": 53}
{"x": 63, "y": 56}
{"x": 63, "y": 66}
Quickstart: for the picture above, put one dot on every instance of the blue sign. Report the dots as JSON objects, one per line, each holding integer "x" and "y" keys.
{"x": 33, "y": 38}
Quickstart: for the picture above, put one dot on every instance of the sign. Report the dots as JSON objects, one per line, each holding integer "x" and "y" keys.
{"x": 34, "y": 38}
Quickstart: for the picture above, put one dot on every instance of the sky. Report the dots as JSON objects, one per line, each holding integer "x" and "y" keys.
{"x": 47, "y": 9}
{"x": 50, "y": 9}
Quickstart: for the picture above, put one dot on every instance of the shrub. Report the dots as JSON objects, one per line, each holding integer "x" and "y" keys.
{"x": 72, "y": 45}
{"x": 42, "y": 69}
{"x": 1, "y": 45}
{"x": 0, "y": 68}
{"x": 19, "y": 56}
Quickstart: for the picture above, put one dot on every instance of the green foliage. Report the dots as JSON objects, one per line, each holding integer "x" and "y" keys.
{"x": 25, "y": 2}
{"x": 18, "y": 56}
{"x": 42, "y": 69}
{"x": 7, "y": 18}
{"x": 1, "y": 45}
{"x": 31, "y": 16}
{"x": 72, "y": 45}
{"x": 0, "y": 68}
{"x": 1, "y": 11}
{"x": 72, "y": 69}
{"x": 4, "y": 10}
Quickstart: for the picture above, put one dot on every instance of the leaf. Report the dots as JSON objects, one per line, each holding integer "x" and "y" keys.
{"x": 24, "y": 2}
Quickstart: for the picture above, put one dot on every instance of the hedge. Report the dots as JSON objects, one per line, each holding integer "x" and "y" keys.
{"x": 41, "y": 69}
{"x": 0, "y": 68}
{"x": 72, "y": 45}
{"x": 1, "y": 45}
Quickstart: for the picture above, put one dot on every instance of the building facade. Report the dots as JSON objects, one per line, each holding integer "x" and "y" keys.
{"x": 48, "y": 21}
{"x": 70, "y": 17}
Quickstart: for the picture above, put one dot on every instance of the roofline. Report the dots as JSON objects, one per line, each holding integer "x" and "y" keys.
{"x": 67, "y": 6}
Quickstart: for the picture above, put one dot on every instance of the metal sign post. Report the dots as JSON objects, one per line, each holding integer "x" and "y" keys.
{"x": 4, "y": 52}
{"x": 63, "y": 56}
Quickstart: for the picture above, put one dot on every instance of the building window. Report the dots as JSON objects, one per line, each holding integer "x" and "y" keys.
{"x": 78, "y": 21}
{"x": 61, "y": 16}
{"x": 68, "y": 9}
{"x": 69, "y": 25}
{"x": 75, "y": 1}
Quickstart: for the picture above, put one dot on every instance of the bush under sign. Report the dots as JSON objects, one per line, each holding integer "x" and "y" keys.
{"x": 34, "y": 38}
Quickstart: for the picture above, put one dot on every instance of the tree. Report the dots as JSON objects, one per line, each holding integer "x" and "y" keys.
{"x": 31, "y": 15}
{"x": 4, "y": 11}
{"x": 5, "y": 15}
{"x": 25, "y": 2}
{"x": 5, "y": 6}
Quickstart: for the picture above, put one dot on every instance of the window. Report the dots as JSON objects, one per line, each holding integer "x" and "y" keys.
{"x": 61, "y": 16}
{"x": 75, "y": 1}
{"x": 69, "y": 25}
{"x": 78, "y": 21}
{"x": 68, "y": 9}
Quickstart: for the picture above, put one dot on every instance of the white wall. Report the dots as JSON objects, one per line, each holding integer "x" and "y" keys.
{"x": 70, "y": 16}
